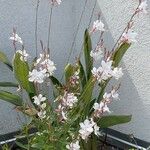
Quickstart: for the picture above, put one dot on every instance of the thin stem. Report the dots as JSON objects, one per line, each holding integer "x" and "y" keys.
{"x": 130, "y": 20}
{"x": 78, "y": 26}
{"x": 92, "y": 14}
{"x": 49, "y": 30}
{"x": 76, "y": 32}
{"x": 36, "y": 26}
{"x": 80, "y": 54}
{"x": 14, "y": 42}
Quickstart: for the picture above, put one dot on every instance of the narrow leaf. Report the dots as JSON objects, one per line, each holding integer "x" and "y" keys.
{"x": 108, "y": 121}
{"x": 87, "y": 50}
{"x": 4, "y": 59}
{"x": 30, "y": 111}
{"x": 82, "y": 74}
{"x": 23, "y": 146}
{"x": 21, "y": 71}
{"x": 69, "y": 70}
{"x": 119, "y": 53}
{"x": 56, "y": 86}
{"x": 87, "y": 92}
{"x": 11, "y": 98}
{"x": 85, "y": 99}
{"x": 55, "y": 81}
{"x": 8, "y": 84}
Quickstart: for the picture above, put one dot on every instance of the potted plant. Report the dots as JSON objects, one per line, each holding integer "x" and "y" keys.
{"x": 74, "y": 117}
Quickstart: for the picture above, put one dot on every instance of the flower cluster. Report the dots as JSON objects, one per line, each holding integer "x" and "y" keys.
{"x": 16, "y": 38}
{"x": 56, "y": 2}
{"x": 143, "y": 7}
{"x": 40, "y": 102}
{"x": 74, "y": 80}
{"x": 106, "y": 71}
{"x": 100, "y": 108}
{"x": 73, "y": 146}
{"x": 24, "y": 55}
{"x": 87, "y": 128}
{"x": 44, "y": 68}
{"x": 98, "y": 25}
{"x": 96, "y": 54}
{"x": 67, "y": 101}
{"x": 129, "y": 36}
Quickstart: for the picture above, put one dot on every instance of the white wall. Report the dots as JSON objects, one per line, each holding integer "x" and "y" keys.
{"x": 135, "y": 85}
{"x": 21, "y": 15}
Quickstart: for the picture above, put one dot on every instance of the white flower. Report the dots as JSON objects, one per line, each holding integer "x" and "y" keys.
{"x": 107, "y": 96}
{"x": 37, "y": 76}
{"x": 64, "y": 115}
{"x": 98, "y": 26}
{"x": 49, "y": 65}
{"x": 86, "y": 128}
{"x": 117, "y": 73}
{"x": 129, "y": 36}
{"x": 96, "y": 130}
{"x": 69, "y": 99}
{"x": 44, "y": 62}
{"x": 100, "y": 108}
{"x": 38, "y": 99}
{"x": 24, "y": 55}
{"x": 42, "y": 114}
{"x": 41, "y": 58}
{"x": 143, "y": 6}
{"x": 114, "y": 94}
{"x": 96, "y": 54}
{"x": 61, "y": 112}
{"x": 58, "y": 1}
{"x": 73, "y": 146}
{"x": 16, "y": 38}
{"x": 74, "y": 80}
{"x": 104, "y": 71}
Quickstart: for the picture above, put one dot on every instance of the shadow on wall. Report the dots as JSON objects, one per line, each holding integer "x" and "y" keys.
{"x": 131, "y": 103}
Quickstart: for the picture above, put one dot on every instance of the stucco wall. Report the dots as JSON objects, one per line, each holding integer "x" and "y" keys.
{"x": 134, "y": 93}
{"x": 21, "y": 15}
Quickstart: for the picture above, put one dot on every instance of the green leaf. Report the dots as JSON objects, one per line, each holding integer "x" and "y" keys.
{"x": 23, "y": 146}
{"x": 108, "y": 121}
{"x": 119, "y": 53}
{"x": 11, "y": 98}
{"x": 21, "y": 71}
{"x": 56, "y": 85}
{"x": 55, "y": 81}
{"x": 82, "y": 74}
{"x": 87, "y": 50}
{"x": 83, "y": 106}
{"x": 4, "y": 59}
{"x": 87, "y": 92}
{"x": 69, "y": 71}
{"x": 8, "y": 84}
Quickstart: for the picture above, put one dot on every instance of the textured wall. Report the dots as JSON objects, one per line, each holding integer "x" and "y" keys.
{"x": 21, "y": 15}
{"x": 135, "y": 89}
